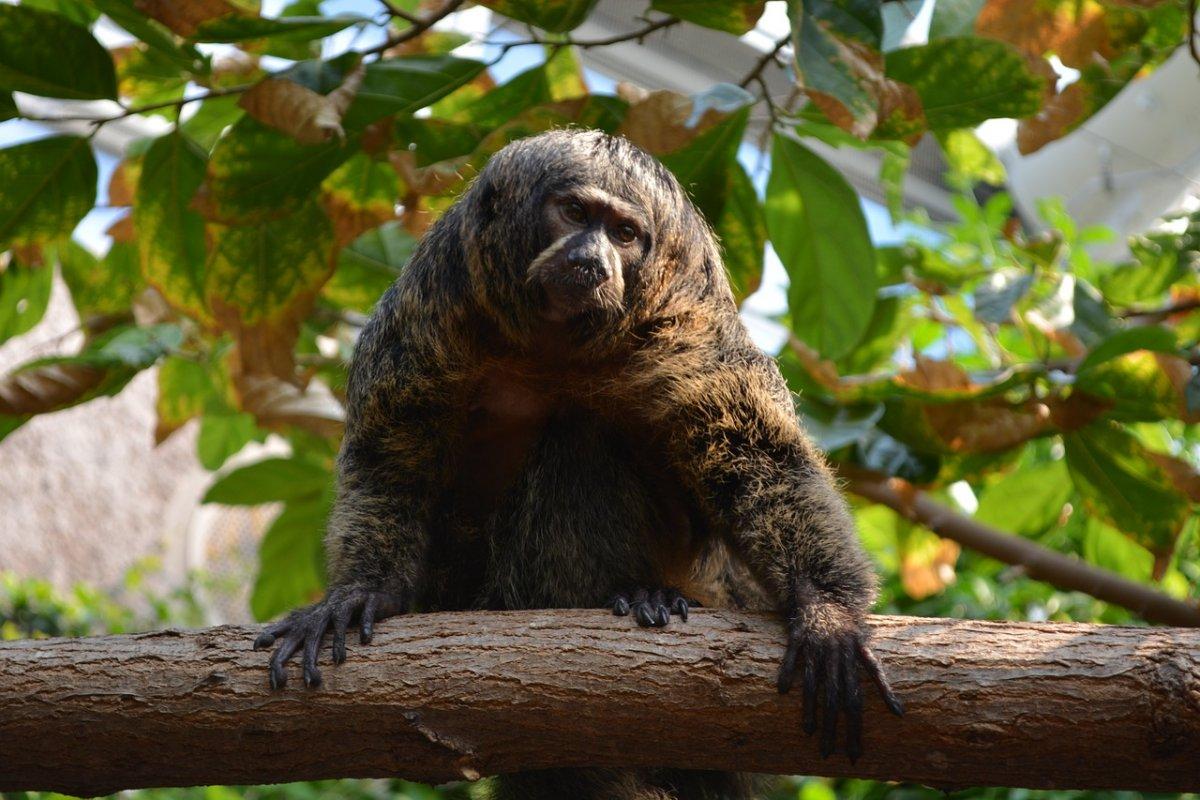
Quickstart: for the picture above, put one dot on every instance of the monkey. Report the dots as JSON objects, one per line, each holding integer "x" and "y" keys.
{"x": 556, "y": 404}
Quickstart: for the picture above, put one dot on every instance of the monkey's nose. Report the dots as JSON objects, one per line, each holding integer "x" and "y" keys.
{"x": 589, "y": 271}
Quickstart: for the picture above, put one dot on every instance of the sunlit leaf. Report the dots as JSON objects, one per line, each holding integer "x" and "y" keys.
{"x": 742, "y": 230}
{"x": 187, "y": 388}
{"x": 224, "y": 435}
{"x": 99, "y": 287}
{"x": 838, "y": 59}
{"x": 1001, "y": 85}
{"x": 48, "y": 186}
{"x": 1148, "y": 337}
{"x": 44, "y": 54}
{"x": 1028, "y": 501}
{"x": 1124, "y": 487}
{"x": 360, "y": 195}
{"x": 818, "y": 230}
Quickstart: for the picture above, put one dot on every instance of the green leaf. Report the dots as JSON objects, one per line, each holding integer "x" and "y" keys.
{"x": 564, "y": 73}
{"x": 1106, "y": 547}
{"x": 818, "y": 230}
{"x": 170, "y": 235}
{"x": 99, "y": 287}
{"x": 8, "y": 106}
{"x": 154, "y": 34}
{"x": 1027, "y": 501}
{"x": 103, "y": 368}
{"x": 268, "y": 481}
{"x": 836, "y": 45}
{"x": 223, "y": 435}
{"x": 1148, "y": 337}
{"x": 704, "y": 166}
{"x": 999, "y": 292}
{"x": 24, "y": 295}
{"x": 256, "y": 171}
{"x": 211, "y": 120}
{"x": 291, "y": 559}
{"x": 970, "y": 159}
{"x": 742, "y": 231}
{"x": 891, "y": 321}
{"x": 187, "y": 389}
{"x": 1000, "y": 83}
{"x": 1140, "y": 386}
{"x": 48, "y": 186}
{"x": 556, "y": 17}
{"x": 721, "y": 15}
{"x": 497, "y": 106}
{"x": 404, "y": 85}
{"x": 1122, "y": 486}
{"x": 368, "y": 265}
{"x": 954, "y": 18}
{"x": 47, "y": 55}
{"x": 77, "y": 11}
{"x": 892, "y": 168}
{"x": 234, "y": 28}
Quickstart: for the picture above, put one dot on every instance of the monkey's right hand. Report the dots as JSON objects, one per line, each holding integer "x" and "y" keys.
{"x": 307, "y": 626}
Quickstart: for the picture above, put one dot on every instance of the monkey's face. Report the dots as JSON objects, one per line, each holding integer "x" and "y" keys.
{"x": 597, "y": 239}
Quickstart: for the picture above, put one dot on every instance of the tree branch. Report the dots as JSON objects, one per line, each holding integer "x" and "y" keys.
{"x": 769, "y": 57}
{"x": 418, "y": 27}
{"x": 584, "y": 44}
{"x": 1039, "y": 562}
{"x": 442, "y": 697}
{"x": 129, "y": 112}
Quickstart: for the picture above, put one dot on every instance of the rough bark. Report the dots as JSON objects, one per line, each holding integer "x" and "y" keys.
{"x": 449, "y": 696}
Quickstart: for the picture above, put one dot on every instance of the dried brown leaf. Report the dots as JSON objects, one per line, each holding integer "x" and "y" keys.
{"x": 305, "y": 115}
{"x": 39, "y": 390}
{"x": 184, "y": 17}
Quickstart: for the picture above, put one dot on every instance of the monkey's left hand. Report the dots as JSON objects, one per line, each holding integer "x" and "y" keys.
{"x": 827, "y": 642}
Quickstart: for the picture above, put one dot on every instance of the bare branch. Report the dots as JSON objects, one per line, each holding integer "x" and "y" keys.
{"x": 450, "y": 696}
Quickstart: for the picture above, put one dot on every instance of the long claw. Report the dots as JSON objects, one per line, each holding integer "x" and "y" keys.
{"x": 787, "y": 670}
{"x": 810, "y": 689}
{"x": 278, "y": 668}
{"x": 875, "y": 670}
{"x": 680, "y": 607}
{"x": 366, "y": 625}
{"x": 341, "y": 622}
{"x": 312, "y": 645}
{"x": 852, "y": 702}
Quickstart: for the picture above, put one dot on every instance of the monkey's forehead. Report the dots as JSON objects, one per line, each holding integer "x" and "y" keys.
{"x": 587, "y": 157}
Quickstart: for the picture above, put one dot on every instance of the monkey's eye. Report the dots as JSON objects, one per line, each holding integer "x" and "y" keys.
{"x": 574, "y": 212}
{"x": 625, "y": 233}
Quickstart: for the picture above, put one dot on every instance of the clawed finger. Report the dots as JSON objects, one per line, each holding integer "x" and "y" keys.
{"x": 278, "y": 669}
{"x": 341, "y": 622}
{"x": 366, "y": 626}
{"x": 833, "y": 699}
{"x": 852, "y": 703}
{"x": 312, "y": 644}
{"x": 875, "y": 670}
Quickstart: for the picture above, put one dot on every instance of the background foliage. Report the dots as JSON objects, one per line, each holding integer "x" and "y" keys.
{"x": 1049, "y": 394}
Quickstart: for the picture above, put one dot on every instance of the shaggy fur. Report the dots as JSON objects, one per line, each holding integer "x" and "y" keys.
{"x": 497, "y": 459}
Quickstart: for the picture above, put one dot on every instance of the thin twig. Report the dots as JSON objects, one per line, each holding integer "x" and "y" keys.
{"x": 134, "y": 110}
{"x": 418, "y": 27}
{"x": 1152, "y": 315}
{"x": 584, "y": 44}
{"x": 760, "y": 66}
{"x": 396, "y": 11}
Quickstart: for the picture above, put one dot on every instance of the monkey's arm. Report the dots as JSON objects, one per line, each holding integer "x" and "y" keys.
{"x": 734, "y": 435}
{"x": 400, "y": 420}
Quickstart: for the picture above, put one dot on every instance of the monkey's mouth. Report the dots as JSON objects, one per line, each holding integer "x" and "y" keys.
{"x": 566, "y": 300}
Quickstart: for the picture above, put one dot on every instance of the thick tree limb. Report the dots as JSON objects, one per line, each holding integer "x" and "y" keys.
{"x": 447, "y": 696}
{"x": 1041, "y": 563}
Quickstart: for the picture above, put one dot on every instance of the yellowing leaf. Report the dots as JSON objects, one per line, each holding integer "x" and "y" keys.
{"x": 261, "y": 281}
{"x": 360, "y": 195}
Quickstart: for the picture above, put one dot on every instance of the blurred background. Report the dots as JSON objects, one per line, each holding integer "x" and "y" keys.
{"x": 1004, "y": 313}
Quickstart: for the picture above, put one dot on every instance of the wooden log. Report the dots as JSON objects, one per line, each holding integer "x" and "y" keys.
{"x": 440, "y": 697}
